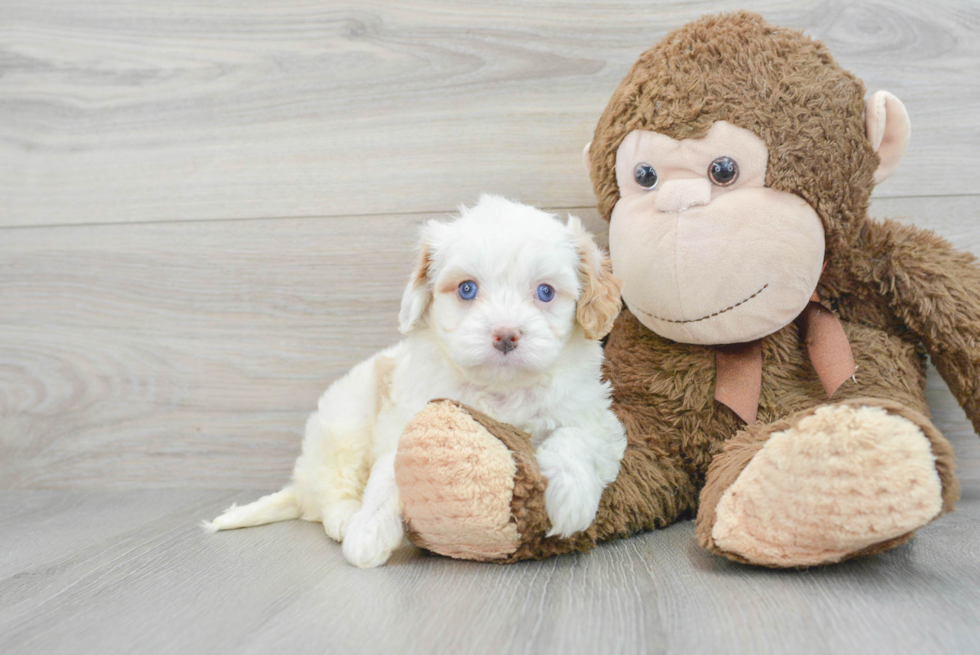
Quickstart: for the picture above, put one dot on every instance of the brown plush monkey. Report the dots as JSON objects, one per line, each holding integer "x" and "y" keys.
{"x": 770, "y": 368}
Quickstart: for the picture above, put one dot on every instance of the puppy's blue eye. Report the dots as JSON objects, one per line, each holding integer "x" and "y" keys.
{"x": 467, "y": 290}
{"x": 546, "y": 292}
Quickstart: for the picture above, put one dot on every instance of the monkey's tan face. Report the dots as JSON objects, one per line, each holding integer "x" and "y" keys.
{"x": 706, "y": 252}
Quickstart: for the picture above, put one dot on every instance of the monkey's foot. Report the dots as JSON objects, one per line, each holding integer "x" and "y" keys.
{"x": 470, "y": 487}
{"x": 828, "y": 484}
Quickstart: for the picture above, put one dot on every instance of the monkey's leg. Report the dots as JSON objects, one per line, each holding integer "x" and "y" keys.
{"x": 830, "y": 483}
{"x": 471, "y": 489}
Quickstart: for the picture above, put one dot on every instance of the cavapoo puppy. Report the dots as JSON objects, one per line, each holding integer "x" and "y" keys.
{"x": 503, "y": 313}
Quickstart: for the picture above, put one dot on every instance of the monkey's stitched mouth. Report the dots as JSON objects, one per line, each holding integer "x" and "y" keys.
{"x": 704, "y": 318}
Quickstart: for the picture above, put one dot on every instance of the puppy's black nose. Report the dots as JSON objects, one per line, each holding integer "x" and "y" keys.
{"x": 505, "y": 339}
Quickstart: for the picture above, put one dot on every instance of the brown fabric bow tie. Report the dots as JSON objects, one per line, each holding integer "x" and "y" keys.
{"x": 738, "y": 367}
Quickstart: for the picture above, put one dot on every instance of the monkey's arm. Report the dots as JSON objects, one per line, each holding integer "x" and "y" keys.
{"x": 935, "y": 290}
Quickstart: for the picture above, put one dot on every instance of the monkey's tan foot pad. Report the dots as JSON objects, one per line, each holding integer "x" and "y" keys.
{"x": 464, "y": 482}
{"x": 842, "y": 481}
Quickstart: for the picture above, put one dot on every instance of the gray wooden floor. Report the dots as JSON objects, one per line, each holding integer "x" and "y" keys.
{"x": 206, "y": 215}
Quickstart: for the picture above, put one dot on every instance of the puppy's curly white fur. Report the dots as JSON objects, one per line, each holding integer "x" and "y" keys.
{"x": 502, "y": 313}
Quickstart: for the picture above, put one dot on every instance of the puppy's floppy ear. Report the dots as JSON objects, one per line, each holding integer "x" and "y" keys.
{"x": 600, "y": 302}
{"x": 418, "y": 292}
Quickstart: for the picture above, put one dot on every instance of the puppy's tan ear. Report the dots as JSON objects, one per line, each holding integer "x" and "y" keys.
{"x": 600, "y": 302}
{"x": 418, "y": 292}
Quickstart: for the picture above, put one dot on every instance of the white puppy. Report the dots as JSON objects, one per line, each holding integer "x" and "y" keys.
{"x": 502, "y": 313}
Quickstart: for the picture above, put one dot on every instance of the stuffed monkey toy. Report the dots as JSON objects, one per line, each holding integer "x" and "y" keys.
{"x": 770, "y": 366}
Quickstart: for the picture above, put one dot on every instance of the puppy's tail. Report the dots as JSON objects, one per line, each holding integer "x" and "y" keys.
{"x": 280, "y": 506}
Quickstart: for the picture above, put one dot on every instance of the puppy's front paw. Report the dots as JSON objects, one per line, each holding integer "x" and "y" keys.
{"x": 572, "y": 496}
{"x": 370, "y": 538}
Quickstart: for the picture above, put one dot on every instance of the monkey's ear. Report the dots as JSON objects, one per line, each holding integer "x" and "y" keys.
{"x": 418, "y": 292}
{"x": 587, "y": 157}
{"x": 600, "y": 302}
{"x": 889, "y": 130}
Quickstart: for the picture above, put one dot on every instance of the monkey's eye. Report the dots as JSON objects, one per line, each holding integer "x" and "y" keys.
{"x": 467, "y": 290}
{"x": 723, "y": 171}
{"x": 645, "y": 175}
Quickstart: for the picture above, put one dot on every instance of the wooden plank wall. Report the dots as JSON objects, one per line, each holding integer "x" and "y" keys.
{"x": 207, "y": 209}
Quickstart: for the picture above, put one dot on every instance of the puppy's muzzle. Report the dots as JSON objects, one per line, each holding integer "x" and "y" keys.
{"x": 506, "y": 340}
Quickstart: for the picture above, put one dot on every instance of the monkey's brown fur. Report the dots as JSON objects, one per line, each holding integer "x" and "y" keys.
{"x": 902, "y": 293}
{"x": 772, "y": 81}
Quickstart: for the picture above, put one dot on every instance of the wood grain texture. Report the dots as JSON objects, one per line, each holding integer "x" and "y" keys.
{"x": 132, "y": 352}
{"x": 182, "y": 110}
{"x": 130, "y": 572}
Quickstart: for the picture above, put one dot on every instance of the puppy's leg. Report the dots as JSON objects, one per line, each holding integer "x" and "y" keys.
{"x": 331, "y": 474}
{"x": 376, "y": 530}
{"x": 579, "y": 463}
{"x": 339, "y": 473}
